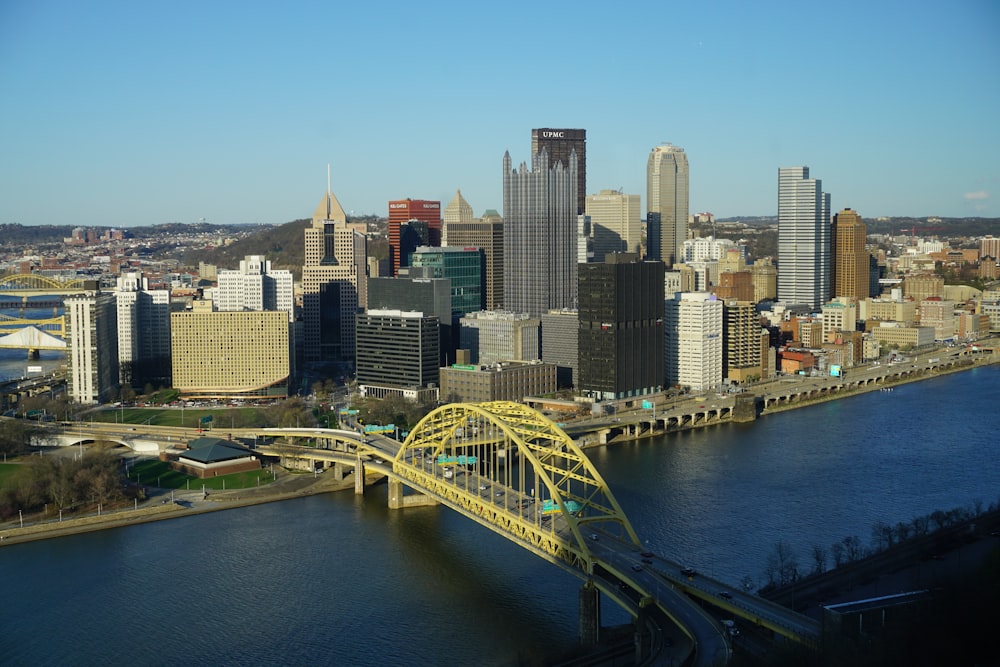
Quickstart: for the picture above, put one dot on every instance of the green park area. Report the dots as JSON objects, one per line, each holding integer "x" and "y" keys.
{"x": 7, "y": 471}
{"x": 187, "y": 418}
{"x": 159, "y": 474}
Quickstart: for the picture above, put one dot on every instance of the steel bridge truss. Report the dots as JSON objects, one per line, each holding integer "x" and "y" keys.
{"x": 511, "y": 469}
{"x": 15, "y": 282}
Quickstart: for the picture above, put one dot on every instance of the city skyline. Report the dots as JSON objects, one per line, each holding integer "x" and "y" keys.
{"x": 153, "y": 114}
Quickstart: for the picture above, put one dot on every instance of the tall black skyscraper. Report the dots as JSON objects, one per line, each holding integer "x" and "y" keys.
{"x": 559, "y": 144}
{"x": 621, "y": 327}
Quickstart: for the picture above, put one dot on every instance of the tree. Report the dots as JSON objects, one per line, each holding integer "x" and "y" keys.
{"x": 903, "y": 531}
{"x": 782, "y": 565}
{"x": 15, "y": 436}
{"x": 837, "y": 551}
{"x": 819, "y": 559}
{"x": 883, "y": 536}
{"x": 852, "y": 548}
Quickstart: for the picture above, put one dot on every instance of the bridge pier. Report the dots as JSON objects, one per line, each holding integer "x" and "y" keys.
{"x": 641, "y": 638}
{"x": 359, "y": 477}
{"x": 744, "y": 408}
{"x": 395, "y": 494}
{"x": 590, "y": 614}
{"x": 337, "y": 470}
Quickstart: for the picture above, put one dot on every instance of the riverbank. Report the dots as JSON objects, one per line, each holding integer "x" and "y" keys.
{"x": 161, "y": 507}
{"x": 802, "y": 392}
{"x": 889, "y": 383}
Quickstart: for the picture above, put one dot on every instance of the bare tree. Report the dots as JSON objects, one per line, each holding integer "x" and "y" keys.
{"x": 852, "y": 548}
{"x": 883, "y": 536}
{"x": 903, "y": 531}
{"x": 819, "y": 559}
{"x": 782, "y": 564}
{"x": 837, "y": 551}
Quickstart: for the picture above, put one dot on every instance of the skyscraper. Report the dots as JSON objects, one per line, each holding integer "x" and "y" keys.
{"x": 404, "y": 210}
{"x": 457, "y": 212}
{"x": 803, "y": 238}
{"x": 485, "y": 233}
{"x": 255, "y": 286}
{"x": 615, "y": 221}
{"x": 850, "y": 259}
{"x": 397, "y": 354}
{"x": 143, "y": 331}
{"x": 621, "y": 327}
{"x": 693, "y": 336}
{"x": 559, "y": 144}
{"x": 539, "y": 237}
{"x": 92, "y": 347}
{"x": 666, "y": 203}
{"x": 334, "y": 282}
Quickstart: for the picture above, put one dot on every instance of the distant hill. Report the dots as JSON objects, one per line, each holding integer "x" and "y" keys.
{"x": 15, "y": 234}
{"x": 283, "y": 245}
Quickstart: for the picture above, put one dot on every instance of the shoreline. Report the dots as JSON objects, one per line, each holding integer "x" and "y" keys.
{"x": 157, "y": 511}
{"x": 295, "y": 486}
{"x": 926, "y": 374}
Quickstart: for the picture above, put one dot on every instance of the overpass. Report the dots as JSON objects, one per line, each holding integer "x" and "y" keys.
{"x": 511, "y": 470}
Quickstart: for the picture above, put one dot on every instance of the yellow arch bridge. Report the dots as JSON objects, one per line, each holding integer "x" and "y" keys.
{"x": 512, "y": 470}
{"x": 33, "y": 284}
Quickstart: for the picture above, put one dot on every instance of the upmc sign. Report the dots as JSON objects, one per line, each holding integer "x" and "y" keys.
{"x": 557, "y": 134}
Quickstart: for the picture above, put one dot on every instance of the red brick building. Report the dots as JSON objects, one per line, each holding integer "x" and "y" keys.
{"x": 404, "y": 210}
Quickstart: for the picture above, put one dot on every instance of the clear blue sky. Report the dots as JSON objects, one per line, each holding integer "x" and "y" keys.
{"x": 136, "y": 113}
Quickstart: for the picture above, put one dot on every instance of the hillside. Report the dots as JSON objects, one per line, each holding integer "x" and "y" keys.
{"x": 284, "y": 245}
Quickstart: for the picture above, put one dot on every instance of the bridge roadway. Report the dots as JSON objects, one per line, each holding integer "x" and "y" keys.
{"x": 612, "y": 560}
{"x": 775, "y": 394}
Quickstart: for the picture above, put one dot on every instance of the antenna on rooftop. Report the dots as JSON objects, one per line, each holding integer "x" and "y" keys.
{"x": 327, "y": 179}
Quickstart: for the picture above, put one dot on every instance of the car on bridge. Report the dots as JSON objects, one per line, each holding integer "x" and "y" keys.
{"x": 688, "y": 572}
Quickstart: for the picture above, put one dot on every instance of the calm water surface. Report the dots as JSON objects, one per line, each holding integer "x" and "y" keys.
{"x": 340, "y": 580}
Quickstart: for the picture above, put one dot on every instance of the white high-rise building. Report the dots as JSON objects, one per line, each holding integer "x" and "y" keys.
{"x": 667, "y": 193}
{"x": 707, "y": 248}
{"x": 693, "y": 340}
{"x": 143, "y": 331}
{"x": 91, "y": 347}
{"x": 803, "y": 238}
{"x": 616, "y": 223}
{"x": 255, "y": 286}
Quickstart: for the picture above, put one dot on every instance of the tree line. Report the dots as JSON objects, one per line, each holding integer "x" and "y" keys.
{"x": 784, "y": 567}
{"x": 64, "y": 483}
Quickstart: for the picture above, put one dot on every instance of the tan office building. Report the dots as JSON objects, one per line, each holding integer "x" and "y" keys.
{"x": 507, "y": 381}
{"x": 616, "y": 223}
{"x": 850, "y": 258}
{"x": 334, "y": 282}
{"x": 230, "y": 354}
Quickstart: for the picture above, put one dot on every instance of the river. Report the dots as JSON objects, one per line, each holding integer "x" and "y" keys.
{"x": 338, "y": 579}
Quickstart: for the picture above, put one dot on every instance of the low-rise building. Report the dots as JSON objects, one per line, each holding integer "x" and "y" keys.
{"x": 893, "y": 334}
{"x": 503, "y": 381}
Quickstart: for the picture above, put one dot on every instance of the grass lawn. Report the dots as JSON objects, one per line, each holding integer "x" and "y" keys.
{"x": 188, "y": 417}
{"x": 158, "y": 473}
{"x": 8, "y": 470}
